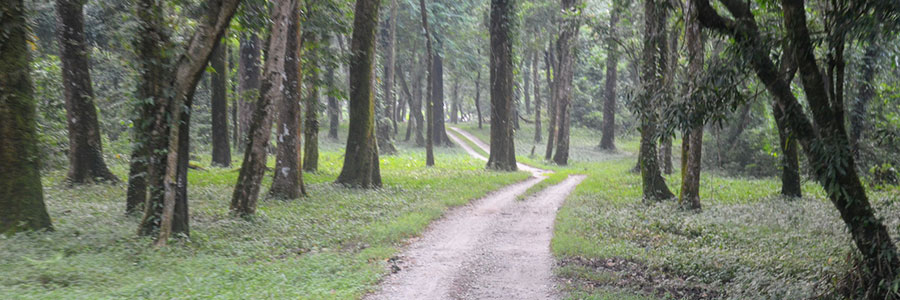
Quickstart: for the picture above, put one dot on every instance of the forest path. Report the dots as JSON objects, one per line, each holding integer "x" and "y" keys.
{"x": 493, "y": 248}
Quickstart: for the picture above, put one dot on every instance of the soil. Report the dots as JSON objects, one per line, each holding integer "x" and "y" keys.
{"x": 495, "y": 247}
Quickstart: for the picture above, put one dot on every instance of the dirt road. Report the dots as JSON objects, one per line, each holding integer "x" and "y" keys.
{"x": 494, "y": 248}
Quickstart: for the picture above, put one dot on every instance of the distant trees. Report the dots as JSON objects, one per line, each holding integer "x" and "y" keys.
{"x": 568, "y": 37}
{"x": 86, "y": 162}
{"x": 692, "y": 143}
{"x": 361, "y": 165}
{"x": 221, "y": 150}
{"x": 429, "y": 90}
{"x": 608, "y": 139}
{"x": 503, "y": 153}
{"x": 21, "y": 192}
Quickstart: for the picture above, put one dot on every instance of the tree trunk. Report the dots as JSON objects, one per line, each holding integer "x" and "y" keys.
{"x": 478, "y": 98}
{"x": 429, "y": 90}
{"x": 85, "y": 149}
{"x": 526, "y": 72}
{"x": 503, "y": 151}
{"x": 550, "y": 65}
{"x": 248, "y": 84}
{"x": 865, "y": 94}
{"x": 221, "y": 151}
{"x": 692, "y": 141}
{"x": 665, "y": 154}
{"x": 415, "y": 109}
{"x": 568, "y": 36}
{"x": 334, "y": 108}
{"x": 440, "y": 131}
{"x": 537, "y": 97}
{"x": 21, "y": 193}
{"x": 311, "y": 117}
{"x": 454, "y": 109}
{"x": 253, "y": 167}
{"x": 608, "y": 139}
{"x": 287, "y": 180}
{"x": 654, "y": 69}
{"x": 384, "y": 119}
{"x": 361, "y": 165}
{"x": 826, "y": 145}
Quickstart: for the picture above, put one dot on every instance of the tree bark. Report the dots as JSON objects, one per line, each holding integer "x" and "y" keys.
{"x": 429, "y": 90}
{"x": 826, "y": 144}
{"x": 287, "y": 180}
{"x": 253, "y": 167}
{"x": 550, "y": 64}
{"x": 311, "y": 116}
{"x": 248, "y": 84}
{"x": 454, "y": 109}
{"x": 21, "y": 192}
{"x": 692, "y": 141}
{"x": 86, "y": 164}
{"x": 334, "y": 108}
{"x": 503, "y": 151}
{"x": 361, "y": 165}
{"x": 415, "y": 108}
{"x": 568, "y": 36}
{"x": 608, "y": 139}
{"x": 537, "y": 97}
{"x": 384, "y": 118}
{"x": 654, "y": 68}
{"x": 478, "y": 98}
{"x": 440, "y": 130}
{"x": 526, "y": 72}
{"x": 221, "y": 151}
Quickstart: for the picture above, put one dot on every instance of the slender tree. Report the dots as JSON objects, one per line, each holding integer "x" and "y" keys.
{"x": 21, "y": 193}
{"x": 454, "y": 109}
{"x": 478, "y": 97}
{"x": 429, "y": 90}
{"x": 503, "y": 151}
{"x": 692, "y": 141}
{"x": 608, "y": 139}
{"x": 311, "y": 116}
{"x": 248, "y": 84}
{"x": 86, "y": 162}
{"x": 437, "y": 99}
{"x": 537, "y": 97}
{"x": 221, "y": 150}
{"x": 526, "y": 72}
{"x": 384, "y": 120}
{"x": 653, "y": 70}
{"x": 287, "y": 180}
{"x": 568, "y": 36}
{"x": 246, "y": 191}
{"x": 550, "y": 65}
{"x": 361, "y": 165}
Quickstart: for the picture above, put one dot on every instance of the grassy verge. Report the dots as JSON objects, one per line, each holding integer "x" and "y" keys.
{"x": 552, "y": 179}
{"x": 331, "y": 245}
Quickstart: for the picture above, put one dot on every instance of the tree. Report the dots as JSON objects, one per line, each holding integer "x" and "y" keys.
{"x": 566, "y": 72}
{"x": 826, "y": 143}
{"x": 437, "y": 100}
{"x": 334, "y": 108}
{"x": 221, "y": 151}
{"x": 653, "y": 70}
{"x": 21, "y": 193}
{"x": 384, "y": 120}
{"x": 287, "y": 180}
{"x": 608, "y": 139}
{"x": 86, "y": 162}
{"x": 246, "y": 191}
{"x": 692, "y": 141}
{"x": 361, "y": 165}
{"x": 537, "y": 97}
{"x": 503, "y": 151}
{"x": 248, "y": 83}
{"x": 311, "y": 116}
{"x": 478, "y": 97}
{"x": 429, "y": 90}
{"x": 550, "y": 66}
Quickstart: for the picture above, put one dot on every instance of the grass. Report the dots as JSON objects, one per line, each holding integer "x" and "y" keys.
{"x": 552, "y": 179}
{"x": 747, "y": 243}
{"x": 331, "y": 245}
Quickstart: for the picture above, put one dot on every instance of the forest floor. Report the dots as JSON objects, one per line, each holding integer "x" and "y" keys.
{"x": 494, "y": 248}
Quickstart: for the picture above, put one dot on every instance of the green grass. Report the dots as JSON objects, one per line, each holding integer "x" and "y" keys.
{"x": 331, "y": 245}
{"x": 747, "y": 243}
{"x": 552, "y": 179}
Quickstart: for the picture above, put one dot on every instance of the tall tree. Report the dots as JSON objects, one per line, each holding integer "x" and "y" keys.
{"x": 550, "y": 66}
{"x": 384, "y": 120}
{"x": 654, "y": 68}
{"x": 608, "y": 140}
{"x": 415, "y": 107}
{"x": 568, "y": 37}
{"x": 537, "y": 97}
{"x": 311, "y": 116}
{"x": 246, "y": 191}
{"x": 361, "y": 165}
{"x": 692, "y": 141}
{"x": 249, "y": 66}
{"x": 454, "y": 109}
{"x": 503, "y": 151}
{"x": 334, "y": 108}
{"x": 526, "y": 72}
{"x": 287, "y": 180}
{"x": 21, "y": 193}
{"x": 824, "y": 138}
{"x": 478, "y": 97}
{"x": 86, "y": 162}
{"x": 170, "y": 85}
{"x": 429, "y": 90}
{"x": 221, "y": 150}
{"x": 790, "y": 158}
{"x": 437, "y": 99}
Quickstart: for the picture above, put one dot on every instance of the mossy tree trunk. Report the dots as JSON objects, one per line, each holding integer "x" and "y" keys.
{"x": 503, "y": 151}
{"x": 692, "y": 143}
{"x": 86, "y": 164}
{"x": 221, "y": 150}
{"x": 311, "y": 115}
{"x": 21, "y": 193}
{"x": 248, "y": 84}
{"x": 361, "y": 165}
{"x": 653, "y": 70}
{"x": 287, "y": 180}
